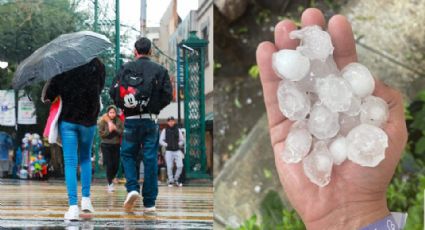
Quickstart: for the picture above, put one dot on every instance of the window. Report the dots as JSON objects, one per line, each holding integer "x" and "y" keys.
{"x": 205, "y": 36}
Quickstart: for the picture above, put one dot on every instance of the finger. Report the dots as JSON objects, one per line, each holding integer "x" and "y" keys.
{"x": 291, "y": 175}
{"x": 396, "y": 125}
{"x": 343, "y": 40}
{"x": 313, "y": 16}
{"x": 281, "y": 35}
{"x": 269, "y": 81}
{"x": 393, "y": 99}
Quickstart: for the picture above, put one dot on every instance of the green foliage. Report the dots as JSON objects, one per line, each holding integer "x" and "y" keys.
{"x": 267, "y": 173}
{"x": 406, "y": 191}
{"x": 254, "y": 71}
{"x": 421, "y": 96}
{"x": 333, "y": 4}
{"x": 242, "y": 30}
{"x": 420, "y": 146}
{"x": 274, "y": 216}
{"x": 271, "y": 210}
{"x": 250, "y": 224}
{"x": 26, "y": 26}
{"x": 264, "y": 16}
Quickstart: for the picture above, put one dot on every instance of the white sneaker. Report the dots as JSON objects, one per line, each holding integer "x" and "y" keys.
{"x": 150, "y": 209}
{"x": 86, "y": 205}
{"x": 73, "y": 213}
{"x": 132, "y": 198}
{"x": 111, "y": 187}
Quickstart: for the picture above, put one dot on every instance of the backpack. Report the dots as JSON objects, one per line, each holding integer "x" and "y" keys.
{"x": 134, "y": 91}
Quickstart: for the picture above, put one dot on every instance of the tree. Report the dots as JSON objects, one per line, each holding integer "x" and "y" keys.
{"x": 24, "y": 27}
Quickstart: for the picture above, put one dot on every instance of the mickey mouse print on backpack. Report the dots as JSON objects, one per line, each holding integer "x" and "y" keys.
{"x": 141, "y": 87}
{"x": 133, "y": 90}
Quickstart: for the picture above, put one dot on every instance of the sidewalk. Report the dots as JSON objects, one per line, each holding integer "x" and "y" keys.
{"x": 27, "y": 204}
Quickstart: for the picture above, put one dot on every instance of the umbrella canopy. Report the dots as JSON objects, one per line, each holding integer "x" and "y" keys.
{"x": 64, "y": 53}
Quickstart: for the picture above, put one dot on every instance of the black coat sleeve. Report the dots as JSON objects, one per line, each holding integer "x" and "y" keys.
{"x": 114, "y": 91}
{"x": 167, "y": 89}
{"x": 54, "y": 88}
{"x": 102, "y": 75}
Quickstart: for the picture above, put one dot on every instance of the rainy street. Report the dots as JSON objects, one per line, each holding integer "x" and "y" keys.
{"x": 41, "y": 205}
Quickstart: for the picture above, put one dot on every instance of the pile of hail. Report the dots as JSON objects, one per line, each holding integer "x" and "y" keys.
{"x": 335, "y": 115}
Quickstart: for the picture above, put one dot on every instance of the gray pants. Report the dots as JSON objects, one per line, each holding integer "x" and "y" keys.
{"x": 170, "y": 157}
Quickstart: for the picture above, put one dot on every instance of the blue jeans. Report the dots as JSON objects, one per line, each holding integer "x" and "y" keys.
{"x": 143, "y": 132}
{"x": 77, "y": 139}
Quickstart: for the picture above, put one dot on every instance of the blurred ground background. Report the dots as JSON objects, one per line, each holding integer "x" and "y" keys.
{"x": 390, "y": 41}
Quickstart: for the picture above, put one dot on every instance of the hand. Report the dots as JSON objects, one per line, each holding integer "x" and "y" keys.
{"x": 111, "y": 126}
{"x": 355, "y": 196}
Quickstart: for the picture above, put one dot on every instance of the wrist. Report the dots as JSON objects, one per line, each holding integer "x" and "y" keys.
{"x": 353, "y": 215}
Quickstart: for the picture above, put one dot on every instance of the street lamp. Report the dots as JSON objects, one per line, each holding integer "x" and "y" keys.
{"x": 3, "y": 65}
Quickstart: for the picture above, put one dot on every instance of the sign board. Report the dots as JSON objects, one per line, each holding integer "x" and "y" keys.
{"x": 7, "y": 108}
{"x": 26, "y": 110}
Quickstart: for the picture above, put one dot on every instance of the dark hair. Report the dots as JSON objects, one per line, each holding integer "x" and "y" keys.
{"x": 111, "y": 107}
{"x": 143, "y": 45}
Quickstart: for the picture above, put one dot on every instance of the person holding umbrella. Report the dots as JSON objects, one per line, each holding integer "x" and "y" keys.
{"x": 75, "y": 78}
{"x": 79, "y": 90}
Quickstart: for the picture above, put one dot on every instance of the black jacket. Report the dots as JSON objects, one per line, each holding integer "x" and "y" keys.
{"x": 80, "y": 90}
{"x": 172, "y": 138}
{"x": 161, "y": 93}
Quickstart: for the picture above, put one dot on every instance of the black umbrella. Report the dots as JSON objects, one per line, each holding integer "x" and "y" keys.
{"x": 64, "y": 53}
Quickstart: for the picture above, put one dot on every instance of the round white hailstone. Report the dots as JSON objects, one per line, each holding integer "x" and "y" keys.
{"x": 354, "y": 109}
{"x": 334, "y": 92}
{"x": 338, "y": 149}
{"x": 347, "y": 123}
{"x": 318, "y": 165}
{"x": 360, "y": 79}
{"x": 290, "y": 64}
{"x": 366, "y": 145}
{"x": 293, "y": 103}
{"x": 374, "y": 111}
{"x": 297, "y": 144}
{"x": 315, "y": 43}
{"x": 319, "y": 68}
{"x": 307, "y": 84}
{"x": 323, "y": 123}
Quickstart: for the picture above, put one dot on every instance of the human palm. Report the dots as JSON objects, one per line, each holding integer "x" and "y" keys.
{"x": 355, "y": 195}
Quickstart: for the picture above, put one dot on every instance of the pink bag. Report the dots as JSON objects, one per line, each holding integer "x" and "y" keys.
{"x": 51, "y": 131}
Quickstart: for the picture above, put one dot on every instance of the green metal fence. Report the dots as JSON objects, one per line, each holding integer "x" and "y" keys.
{"x": 191, "y": 59}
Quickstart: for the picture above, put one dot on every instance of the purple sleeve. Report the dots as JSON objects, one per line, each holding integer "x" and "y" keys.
{"x": 387, "y": 223}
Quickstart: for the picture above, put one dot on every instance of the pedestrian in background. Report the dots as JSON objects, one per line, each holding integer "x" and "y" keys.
{"x": 172, "y": 138}
{"x": 110, "y": 131}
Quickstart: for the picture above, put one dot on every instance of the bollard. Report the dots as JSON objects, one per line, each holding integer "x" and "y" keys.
{"x": 163, "y": 174}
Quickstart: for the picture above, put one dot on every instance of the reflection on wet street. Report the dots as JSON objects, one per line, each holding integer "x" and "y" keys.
{"x": 41, "y": 205}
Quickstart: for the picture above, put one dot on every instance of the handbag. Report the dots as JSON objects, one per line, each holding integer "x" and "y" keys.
{"x": 51, "y": 131}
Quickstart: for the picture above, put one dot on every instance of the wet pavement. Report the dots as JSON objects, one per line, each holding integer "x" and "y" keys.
{"x": 42, "y": 204}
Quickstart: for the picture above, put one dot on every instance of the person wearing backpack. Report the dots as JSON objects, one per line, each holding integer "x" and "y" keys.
{"x": 142, "y": 88}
